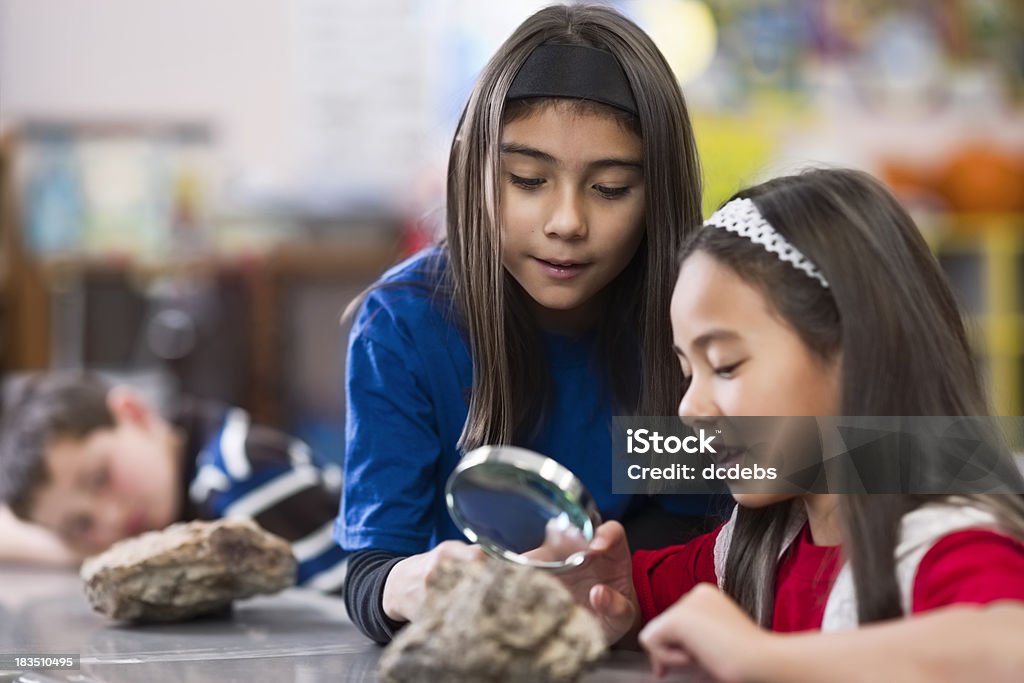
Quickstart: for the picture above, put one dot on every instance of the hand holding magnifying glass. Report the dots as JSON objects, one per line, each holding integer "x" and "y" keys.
{"x": 530, "y": 510}
{"x": 522, "y": 507}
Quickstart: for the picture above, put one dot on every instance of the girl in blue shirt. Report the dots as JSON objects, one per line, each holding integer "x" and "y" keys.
{"x": 572, "y": 177}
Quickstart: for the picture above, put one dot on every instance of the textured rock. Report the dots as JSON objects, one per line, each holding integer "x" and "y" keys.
{"x": 187, "y": 570}
{"x": 493, "y": 621}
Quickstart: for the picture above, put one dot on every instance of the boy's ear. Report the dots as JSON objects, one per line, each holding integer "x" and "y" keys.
{"x": 128, "y": 406}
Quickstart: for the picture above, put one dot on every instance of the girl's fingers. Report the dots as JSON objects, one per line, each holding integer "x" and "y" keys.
{"x": 661, "y": 635}
{"x": 616, "y": 612}
{"x": 670, "y": 658}
{"x": 610, "y": 602}
{"x": 664, "y": 650}
{"x": 607, "y": 536}
{"x": 710, "y": 629}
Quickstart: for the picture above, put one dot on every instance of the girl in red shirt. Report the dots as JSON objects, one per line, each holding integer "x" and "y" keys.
{"x": 816, "y": 295}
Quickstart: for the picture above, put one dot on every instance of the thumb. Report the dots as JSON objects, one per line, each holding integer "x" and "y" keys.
{"x": 470, "y": 553}
{"x": 608, "y": 536}
{"x": 461, "y": 552}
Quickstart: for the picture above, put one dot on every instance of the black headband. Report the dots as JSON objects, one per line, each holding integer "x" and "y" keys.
{"x": 574, "y": 71}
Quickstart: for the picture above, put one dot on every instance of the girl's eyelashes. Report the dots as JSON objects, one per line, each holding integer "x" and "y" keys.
{"x": 604, "y": 191}
{"x": 525, "y": 183}
{"x": 726, "y": 371}
{"x": 612, "y": 192}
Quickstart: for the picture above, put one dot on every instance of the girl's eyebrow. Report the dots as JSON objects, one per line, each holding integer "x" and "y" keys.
{"x": 534, "y": 153}
{"x": 714, "y": 335}
{"x": 707, "y": 338}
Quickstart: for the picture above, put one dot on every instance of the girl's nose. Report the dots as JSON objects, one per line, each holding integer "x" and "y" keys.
{"x": 697, "y": 406}
{"x": 567, "y": 220}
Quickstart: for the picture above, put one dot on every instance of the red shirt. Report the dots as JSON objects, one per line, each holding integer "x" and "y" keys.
{"x": 972, "y": 566}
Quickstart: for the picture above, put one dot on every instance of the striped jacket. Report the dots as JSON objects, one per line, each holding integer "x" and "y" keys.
{"x": 247, "y": 470}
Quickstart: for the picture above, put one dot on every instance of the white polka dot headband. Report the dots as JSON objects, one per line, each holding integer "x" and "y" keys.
{"x": 740, "y": 216}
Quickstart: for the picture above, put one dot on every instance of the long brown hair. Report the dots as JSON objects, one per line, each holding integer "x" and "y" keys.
{"x": 508, "y": 371}
{"x": 891, "y": 313}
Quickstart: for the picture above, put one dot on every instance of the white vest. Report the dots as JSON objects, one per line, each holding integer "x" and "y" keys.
{"x": 920, "y": 529}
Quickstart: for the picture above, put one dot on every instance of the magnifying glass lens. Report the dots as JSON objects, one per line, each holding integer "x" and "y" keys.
{"x": 523, "y": 507}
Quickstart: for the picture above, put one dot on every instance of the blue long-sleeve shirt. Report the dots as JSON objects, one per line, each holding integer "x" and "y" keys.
{"x": 409, "y": 377}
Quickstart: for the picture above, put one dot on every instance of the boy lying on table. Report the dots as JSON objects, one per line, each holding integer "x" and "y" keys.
{"x": 95, "y": 464}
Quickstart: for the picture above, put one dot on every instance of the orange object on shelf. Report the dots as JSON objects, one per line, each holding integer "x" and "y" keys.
{"x": 982, "y": 178}
{"x": 914, "y": 186}
{"x": 977, "y": 179}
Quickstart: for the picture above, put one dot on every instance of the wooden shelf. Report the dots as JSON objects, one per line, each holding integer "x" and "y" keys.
{"x": 28, "y": 282}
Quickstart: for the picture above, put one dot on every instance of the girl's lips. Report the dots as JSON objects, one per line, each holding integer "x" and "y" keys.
{"x": 561, "y": 270}
{"x": 729, "y": 455}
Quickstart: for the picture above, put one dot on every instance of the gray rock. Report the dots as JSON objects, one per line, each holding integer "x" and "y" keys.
{"x": 187, "y": 570}
{"x": 493, "y": 621}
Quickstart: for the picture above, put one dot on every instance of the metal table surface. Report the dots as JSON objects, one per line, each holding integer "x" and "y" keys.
{"x": 294, "y": 636}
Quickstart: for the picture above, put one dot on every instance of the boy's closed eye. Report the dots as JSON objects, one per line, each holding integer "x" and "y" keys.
{"x": 74, "y": 528}
{"x": 99, "y": 478}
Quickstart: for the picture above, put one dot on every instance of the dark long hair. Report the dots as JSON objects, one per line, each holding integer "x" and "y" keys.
{"x": 508, "y": 370}
{"x": 893, "y": 317}
{"x": 634, "y": 336}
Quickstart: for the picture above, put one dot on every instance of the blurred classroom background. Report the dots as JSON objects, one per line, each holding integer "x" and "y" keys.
{"x": 191, "y": 191}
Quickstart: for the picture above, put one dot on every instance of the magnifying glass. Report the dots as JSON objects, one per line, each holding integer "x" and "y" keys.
{"x": 522, "y": 507}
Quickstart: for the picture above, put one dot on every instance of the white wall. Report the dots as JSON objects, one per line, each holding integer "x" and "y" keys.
{"x": 224, "y": 61}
